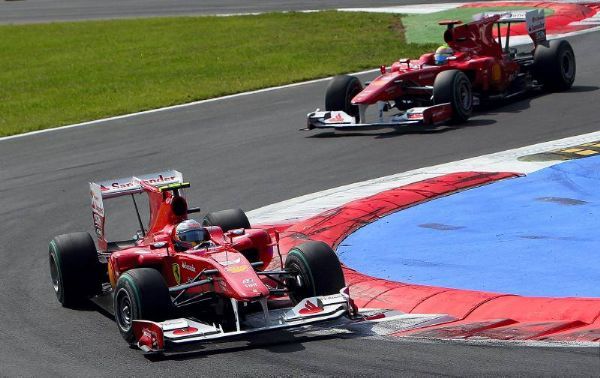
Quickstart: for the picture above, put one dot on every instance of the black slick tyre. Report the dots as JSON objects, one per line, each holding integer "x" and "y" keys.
{"x": 227, "y": 219}
{"x": 318, "y": 269}
{"x": 340, "y": 92}
{"x": 74, "y": 268}
{"x": 554, "y": 65}
{"x": 454, "y": 87}
{"x": 140, "y": 294}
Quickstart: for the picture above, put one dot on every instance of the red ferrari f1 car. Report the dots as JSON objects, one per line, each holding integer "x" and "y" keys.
{"x": 179, "y": 281}
{"x": 431, "y": 91}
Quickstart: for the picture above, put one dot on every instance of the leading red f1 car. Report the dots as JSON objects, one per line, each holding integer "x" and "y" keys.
{"x": 178, "y": 282}
{"x": 431, "y": 91}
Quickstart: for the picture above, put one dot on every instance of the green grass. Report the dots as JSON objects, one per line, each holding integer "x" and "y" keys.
{"x": 62, "y": 73}
{"x": 424, "y": 28}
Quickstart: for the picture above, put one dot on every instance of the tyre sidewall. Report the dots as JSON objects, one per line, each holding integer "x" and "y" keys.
{"x": 76, "y": 261}
{"x": 296, "y": 262}
{"x": 126, "y": 287}
{"x": 454, "y": 87}
{"x": 148, "y": 295}
{"x": 340, "y": 92}
{"x": 549, "y": 69}
{"x": 319, "y": 268}
{"x": 55, "y": 259}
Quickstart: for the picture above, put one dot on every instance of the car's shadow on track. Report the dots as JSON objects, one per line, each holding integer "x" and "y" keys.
{"x": 582, "y": 89}
{"x": 385, "y": 134}
{"x": 273, "y": 342}
{"x": 282, "y": 342}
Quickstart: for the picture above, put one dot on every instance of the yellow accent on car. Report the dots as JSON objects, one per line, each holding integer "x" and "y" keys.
{"x": 496, "y": 72}
{"x": 176, "y": 273}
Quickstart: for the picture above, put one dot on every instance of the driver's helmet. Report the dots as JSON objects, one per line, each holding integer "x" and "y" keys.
{"x": 442, "y": 54}
{"x": 189, "y": 234}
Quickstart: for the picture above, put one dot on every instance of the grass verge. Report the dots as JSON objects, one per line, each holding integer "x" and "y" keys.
{"x": 424, "y": 28}
{"x": 62, "y": 73}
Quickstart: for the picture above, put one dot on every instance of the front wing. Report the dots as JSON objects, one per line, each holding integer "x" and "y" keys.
{"x": 419, "y": 116}
{"x": 158, "y": 337}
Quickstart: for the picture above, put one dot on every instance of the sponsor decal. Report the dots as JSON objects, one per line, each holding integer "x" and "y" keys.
{"x": 236, "y": 268}
{"x": 310, "y": 308}
{"x": 130, "y": 184}
{"x": 176, "y": 273}
{"x": 229, "y": 262}
{"x": 536, "y": 25}
{"x": 185, "y": 331}
{"x": 189, "y": 267}
{"x": 337, "y": 118}
{"x": 249, "y": 283}
{"x": 149, "y": 336}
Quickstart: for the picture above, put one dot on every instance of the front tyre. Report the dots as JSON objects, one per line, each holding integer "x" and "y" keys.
{"x": 74, "y": 268}
{"x": 340, "y": 92}
{"x": 316, "y": 271}
{"x": 454, "y": 87}
{"x": 554, "y": 65}
{"x": 140, "y": 294}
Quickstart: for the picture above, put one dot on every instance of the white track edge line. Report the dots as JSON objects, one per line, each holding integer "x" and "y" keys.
{"x": 172, "y": 107}
{"x": 178, "y": 106}
{"x": 504, "y": 161}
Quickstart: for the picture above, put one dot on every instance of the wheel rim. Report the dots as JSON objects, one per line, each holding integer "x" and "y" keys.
{"x": 296, "y": 292}
{"x": 567, "y": 66}
{"x": 54, "y": 275}
{"x": 124, "y": 311}
{"x": 464, "y": 96}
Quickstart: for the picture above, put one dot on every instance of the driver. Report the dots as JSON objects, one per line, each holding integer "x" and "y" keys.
{"x": 442, "y": 54}
{"x": 189, "y": 234}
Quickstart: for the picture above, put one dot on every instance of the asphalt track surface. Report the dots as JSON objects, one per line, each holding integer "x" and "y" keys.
{"x": 19, "y": 11}
{"x": 246, "y": 151}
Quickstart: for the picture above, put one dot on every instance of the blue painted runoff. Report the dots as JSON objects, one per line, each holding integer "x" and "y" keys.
{"x": 537, "y": 235}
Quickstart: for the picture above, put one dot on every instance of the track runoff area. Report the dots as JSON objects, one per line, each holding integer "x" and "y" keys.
{"x": 497, "y": 247}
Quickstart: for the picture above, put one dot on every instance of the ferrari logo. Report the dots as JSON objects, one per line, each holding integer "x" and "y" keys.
{"x": 177, "y": 273}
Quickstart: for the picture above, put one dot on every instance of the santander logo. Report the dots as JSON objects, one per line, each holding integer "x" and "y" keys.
{"x": 337, "y": 118}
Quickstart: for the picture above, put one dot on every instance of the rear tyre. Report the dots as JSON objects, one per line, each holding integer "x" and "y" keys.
{"x": 340, "y": 92}
{"x": 140, "y": 293}
{"x": 454, "y": 87}
{"x": 227, "y": 219}
{"x": 318, "y": 268}
{"x": 554, "y": 65}
{"x": 74, "y": 268}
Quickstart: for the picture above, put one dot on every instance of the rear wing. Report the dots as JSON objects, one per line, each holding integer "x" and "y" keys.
{"x": 535, "y": 22}
{"x": 125, "y": 186}
{"x": 132, "y": 185}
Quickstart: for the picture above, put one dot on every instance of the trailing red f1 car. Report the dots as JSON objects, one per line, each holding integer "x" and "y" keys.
{"x": 177, "y": 281}
{"x": 444, "y": 86}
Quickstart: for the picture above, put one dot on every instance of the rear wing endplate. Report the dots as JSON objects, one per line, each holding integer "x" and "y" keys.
{"x": 534, "y": 19}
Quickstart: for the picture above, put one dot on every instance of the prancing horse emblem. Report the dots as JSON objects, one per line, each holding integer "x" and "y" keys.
{"x": 176, "y": 273}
